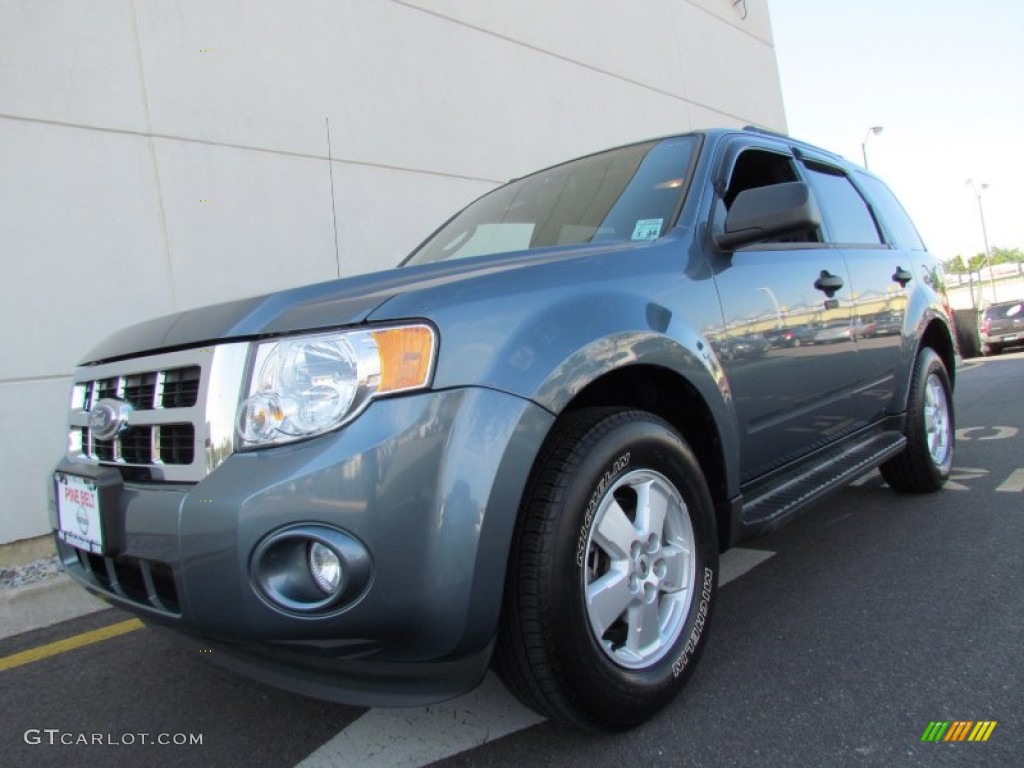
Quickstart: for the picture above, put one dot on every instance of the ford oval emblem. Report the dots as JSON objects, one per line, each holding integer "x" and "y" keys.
{"x": 108, "y": 418}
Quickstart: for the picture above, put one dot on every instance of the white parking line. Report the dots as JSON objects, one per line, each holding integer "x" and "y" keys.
{"x": 382, "y": 738}
{"x": 1014, "y": 483}
{"x": 737, "y": 562}
{"x": 417, "y": 736}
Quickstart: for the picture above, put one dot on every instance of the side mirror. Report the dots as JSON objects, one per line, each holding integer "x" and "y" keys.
{"x": 766, "y": 213}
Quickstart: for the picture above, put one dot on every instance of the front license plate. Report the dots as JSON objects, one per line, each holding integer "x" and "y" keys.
{"x": 79, "y": 520}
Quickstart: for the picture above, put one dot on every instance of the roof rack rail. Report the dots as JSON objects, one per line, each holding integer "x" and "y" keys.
{"x": 766, "y": 132}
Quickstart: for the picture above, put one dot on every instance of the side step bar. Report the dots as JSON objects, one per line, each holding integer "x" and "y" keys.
{"x": 766, "y": 505}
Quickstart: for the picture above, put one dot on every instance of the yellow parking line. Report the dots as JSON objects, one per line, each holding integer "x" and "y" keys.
{"x": 69, "y": 644}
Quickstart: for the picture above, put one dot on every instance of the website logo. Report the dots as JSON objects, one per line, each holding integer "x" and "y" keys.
{"x": 958, "y": 730}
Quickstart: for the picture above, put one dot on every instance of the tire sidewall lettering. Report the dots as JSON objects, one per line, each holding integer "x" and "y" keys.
{"x": 700, "y": 621}
{"x": 608, "y": 478}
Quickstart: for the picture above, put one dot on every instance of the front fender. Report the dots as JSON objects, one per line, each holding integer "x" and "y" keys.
{"x": 548, "y": 332}
{"x": 551, "y": 355}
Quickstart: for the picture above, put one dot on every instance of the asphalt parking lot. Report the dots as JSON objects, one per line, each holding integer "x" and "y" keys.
{"x": 836, "y": 641}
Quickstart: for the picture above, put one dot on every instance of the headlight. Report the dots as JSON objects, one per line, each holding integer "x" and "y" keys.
{"x": 302, "y": 386}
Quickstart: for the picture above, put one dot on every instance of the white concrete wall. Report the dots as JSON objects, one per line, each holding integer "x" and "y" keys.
{"x": 157, "y": 155}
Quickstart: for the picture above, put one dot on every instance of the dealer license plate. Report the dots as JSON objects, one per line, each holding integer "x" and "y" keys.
{"x": 78, "y": 512}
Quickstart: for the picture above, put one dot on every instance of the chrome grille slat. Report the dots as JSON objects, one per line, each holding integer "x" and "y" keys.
{"x": 158, "y": 389}
{"x": 154, "y": 445}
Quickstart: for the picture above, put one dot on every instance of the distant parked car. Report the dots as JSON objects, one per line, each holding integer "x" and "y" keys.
{"x": 796, "y": 336}
{"x": 837, "y": 330}
{"x": 863, "y": 328}
{"x": 749, "y": 347}
{"x": 845, "y": 330}
{"x": 1002, "y": 325}
{"x": 888, "y": 323}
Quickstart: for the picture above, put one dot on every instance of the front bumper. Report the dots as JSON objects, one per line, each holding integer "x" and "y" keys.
{"x": 429, "y": 484}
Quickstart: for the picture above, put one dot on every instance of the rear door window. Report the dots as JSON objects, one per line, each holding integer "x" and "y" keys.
{"x": 848, "y": 218}
{"x": 896, "y": 220}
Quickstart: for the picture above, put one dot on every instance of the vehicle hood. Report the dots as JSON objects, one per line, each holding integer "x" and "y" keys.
{"x": 344, "y": 302}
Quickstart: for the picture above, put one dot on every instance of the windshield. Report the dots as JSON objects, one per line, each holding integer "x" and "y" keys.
{"x": 631, "y": 193}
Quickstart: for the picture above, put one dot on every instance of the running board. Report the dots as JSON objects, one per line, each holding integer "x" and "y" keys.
{"x": 767, "y": 504}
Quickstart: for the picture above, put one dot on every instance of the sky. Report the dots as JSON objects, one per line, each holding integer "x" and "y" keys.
{"x": 944, "y": 79}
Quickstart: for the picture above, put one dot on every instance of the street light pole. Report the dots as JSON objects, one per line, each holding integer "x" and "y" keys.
{"x": 872, "y": 131}
{"x": 775, "y": 303}
{"x": 984, "y": 235}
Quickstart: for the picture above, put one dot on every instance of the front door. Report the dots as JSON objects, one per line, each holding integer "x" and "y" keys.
{"x": 785, "y": 340}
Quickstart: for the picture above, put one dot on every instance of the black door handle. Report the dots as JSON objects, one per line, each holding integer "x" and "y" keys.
{"x": 828, "y": 283}
{"x": 902, "y": 276}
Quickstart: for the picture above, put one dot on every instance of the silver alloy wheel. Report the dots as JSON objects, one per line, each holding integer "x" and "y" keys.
{"x": 937, "y": 422}
{"x": 640, "y": 569}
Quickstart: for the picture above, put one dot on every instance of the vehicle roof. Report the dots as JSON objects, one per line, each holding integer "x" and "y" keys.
{"x": 711, "y": 134}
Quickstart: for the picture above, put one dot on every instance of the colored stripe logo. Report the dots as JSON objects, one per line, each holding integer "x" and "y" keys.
{"x": 958, "y": 730}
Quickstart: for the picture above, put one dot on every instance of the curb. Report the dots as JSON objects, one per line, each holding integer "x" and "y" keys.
{"x": 44, "y": 603}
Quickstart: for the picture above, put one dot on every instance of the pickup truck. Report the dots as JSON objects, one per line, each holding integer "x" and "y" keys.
{"x": 526, "y": 446}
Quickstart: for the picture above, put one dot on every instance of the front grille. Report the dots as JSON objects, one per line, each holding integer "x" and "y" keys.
{"x": 180, "y": 423}
{"x": 147, "y": 582}
{"x": 141, "y": 388}
{"x": 176, "y": 443}
{"x": 137, "y": 446}
{"x": 181, "y": 388}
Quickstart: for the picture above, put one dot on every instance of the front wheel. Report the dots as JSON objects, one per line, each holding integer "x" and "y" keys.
{"x": 613, "y": 572}
{"x": 925, "y": 463}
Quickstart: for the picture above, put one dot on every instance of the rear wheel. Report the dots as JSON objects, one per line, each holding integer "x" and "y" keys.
{"x": 613, "y": 572}
{"x": 925, "y": 463}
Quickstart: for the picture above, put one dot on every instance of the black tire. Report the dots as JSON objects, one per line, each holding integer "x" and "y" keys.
{"x": 595, "y": 465}
{"x": 925, "y": 463}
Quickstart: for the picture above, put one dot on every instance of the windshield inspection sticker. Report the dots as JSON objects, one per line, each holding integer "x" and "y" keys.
{"x": 647, "y": 229}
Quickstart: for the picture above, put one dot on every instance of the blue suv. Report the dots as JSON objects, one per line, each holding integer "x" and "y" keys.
{"x": 527, "y": 445}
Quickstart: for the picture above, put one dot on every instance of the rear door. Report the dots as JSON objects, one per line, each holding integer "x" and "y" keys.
{"x": 881, "y": 275}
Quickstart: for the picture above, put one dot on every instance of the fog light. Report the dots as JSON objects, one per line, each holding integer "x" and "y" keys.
{"x": 325, "y": 567}
{"x": 310, "y": 569}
